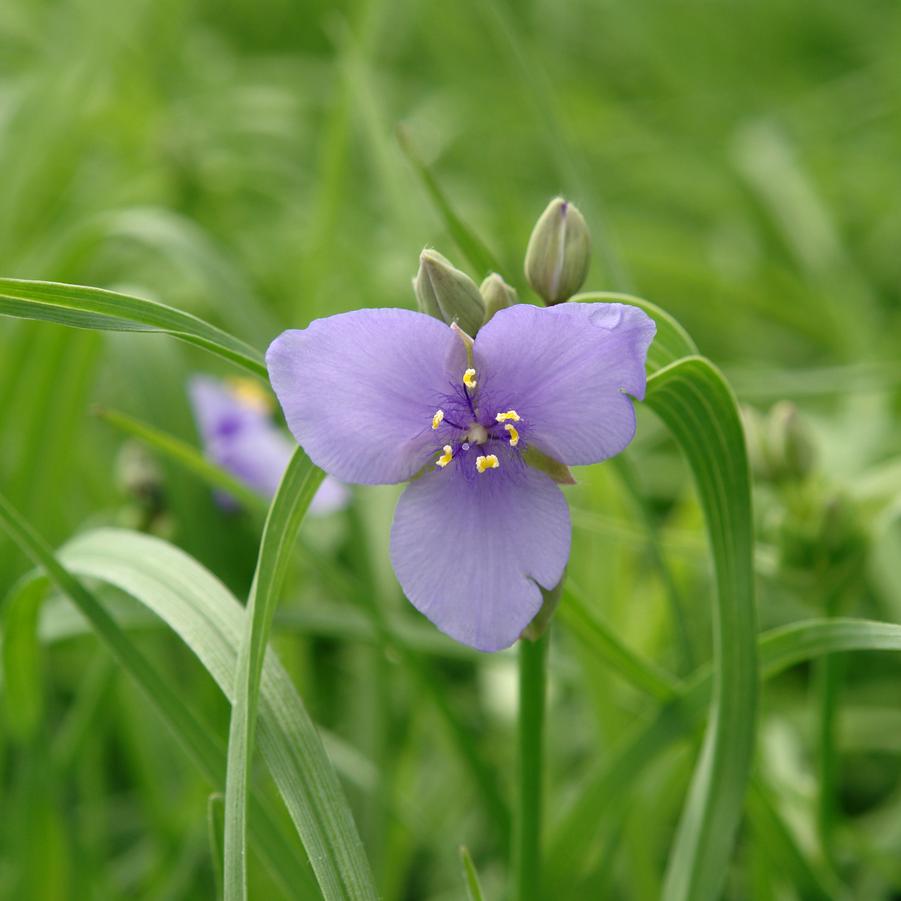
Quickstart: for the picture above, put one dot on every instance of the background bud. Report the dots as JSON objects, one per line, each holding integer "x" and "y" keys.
{"x": 496, "y": 294}
{"x": 559, "y": 252}
{"x": 791, "y": 448}
{"x": 446, "y": 293}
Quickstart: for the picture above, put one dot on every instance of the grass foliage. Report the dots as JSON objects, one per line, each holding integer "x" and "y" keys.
{"x": 197, "y": 703}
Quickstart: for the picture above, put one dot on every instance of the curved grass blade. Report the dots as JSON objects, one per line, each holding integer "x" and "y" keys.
{"x": 96, "y": 308}
{"x": 211, "y": 622}
{"x": 698, "y": 407}
{"x": 298, "y": 485}
{"x": 195, "y": 736}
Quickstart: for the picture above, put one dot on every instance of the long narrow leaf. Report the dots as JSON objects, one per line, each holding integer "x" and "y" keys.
{"x": 211, "y": 622}
{"x": 95, "y": 308}
{"x": 298, "y": 485}
{"x": 698, "y": 407}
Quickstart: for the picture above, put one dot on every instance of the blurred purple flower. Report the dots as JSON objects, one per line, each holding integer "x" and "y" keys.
{"x": 388, "y": 395}
{"x": 238, "y": 434}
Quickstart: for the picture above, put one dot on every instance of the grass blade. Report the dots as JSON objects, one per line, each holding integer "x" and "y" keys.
{"x": 298, "y": 485}
{"x": 95, "y": 308}
{"x": 698, "y": 407}
{"x": 470, "y": 874}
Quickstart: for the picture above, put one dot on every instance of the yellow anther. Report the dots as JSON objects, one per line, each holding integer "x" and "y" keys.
{"x": 469, "y": 378}
{"x": 250, "y": 394}
{"x": 514, "y": 435}
{"x": 487, "y": 462}
{"x": 446, "y": 457}
{"x": 510, "y": 414}
{"x": 437, "y": 419}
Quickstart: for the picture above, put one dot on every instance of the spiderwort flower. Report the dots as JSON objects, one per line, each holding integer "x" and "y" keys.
{"x": 239, "y": 435}
{"x": 389, "y": 395}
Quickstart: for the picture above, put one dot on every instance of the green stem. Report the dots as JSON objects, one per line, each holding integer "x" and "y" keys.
{"x": 530, "y": 770}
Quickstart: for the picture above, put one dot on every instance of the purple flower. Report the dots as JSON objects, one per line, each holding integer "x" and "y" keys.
{"x": 388, "y": 395}
{"x": 238, "y": 434}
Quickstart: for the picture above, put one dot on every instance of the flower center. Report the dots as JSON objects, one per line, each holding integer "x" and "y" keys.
{"x": 477, "y": 433}
{"x": 463, "y": 426}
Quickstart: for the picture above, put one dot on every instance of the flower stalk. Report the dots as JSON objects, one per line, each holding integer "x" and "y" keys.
{"x": 530, "y": 769}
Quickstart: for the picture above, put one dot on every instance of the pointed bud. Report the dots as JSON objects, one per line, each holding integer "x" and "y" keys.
{"x": 559, "y": 252}
{"x": 755, "y": 443}
{"x": 791, "y": 447}
{"x": 447, "y": 293}
{"x": 496, "y": 294}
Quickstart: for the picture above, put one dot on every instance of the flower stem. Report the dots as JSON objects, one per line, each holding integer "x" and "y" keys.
{"x": 530, "y": 769}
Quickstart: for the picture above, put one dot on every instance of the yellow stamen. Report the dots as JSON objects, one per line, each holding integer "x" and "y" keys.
{"x": 510, "y": 414}
{"x": 446, "y": 457}
{"x": 487, "y": 462}
{"x": 514, "y": 435}
{"x": 250, "y": 394}
{"x": 469, "y": 378}
{"x": 437, "y": 419}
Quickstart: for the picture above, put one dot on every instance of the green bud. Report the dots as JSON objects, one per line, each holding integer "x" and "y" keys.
{"x": 790, "y": 444}
{"x": 559, "y": 252}
{"x": 496, "y": 294}
{"x": 447, "y": 293}
{"x": 755, "y": 441}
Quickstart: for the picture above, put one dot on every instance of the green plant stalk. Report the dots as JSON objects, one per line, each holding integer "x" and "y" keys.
{"x": 530, "y": 769}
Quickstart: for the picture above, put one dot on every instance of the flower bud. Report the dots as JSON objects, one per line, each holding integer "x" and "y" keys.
{"x": 791, "y": 448}
{"x": 447, "y": 293}
{"x": 559, "y": 252}
{"x": 496, "y": 294}
{"x": 755, "y": 442}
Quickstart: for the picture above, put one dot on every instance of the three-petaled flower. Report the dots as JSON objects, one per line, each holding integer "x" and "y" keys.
{"x": 238, "y": 434}
{"x": 389, "y": 395}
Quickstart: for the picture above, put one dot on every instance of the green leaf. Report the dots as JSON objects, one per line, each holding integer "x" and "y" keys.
{"x": 186, "y": 596}
{"x": 95, "y": 308}
{"x": 698, "y": 407}
{"x": 324, "y": 838}
{"x": 470, "y": 874}
{"x": 212, "y": 622}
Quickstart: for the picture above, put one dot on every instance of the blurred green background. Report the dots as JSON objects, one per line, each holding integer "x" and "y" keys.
{"x": 738, "y": 164}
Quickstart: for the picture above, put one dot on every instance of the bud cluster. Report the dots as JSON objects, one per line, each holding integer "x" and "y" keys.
{"x": 780, "y": 444}
{"x": 556, "y": 264}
